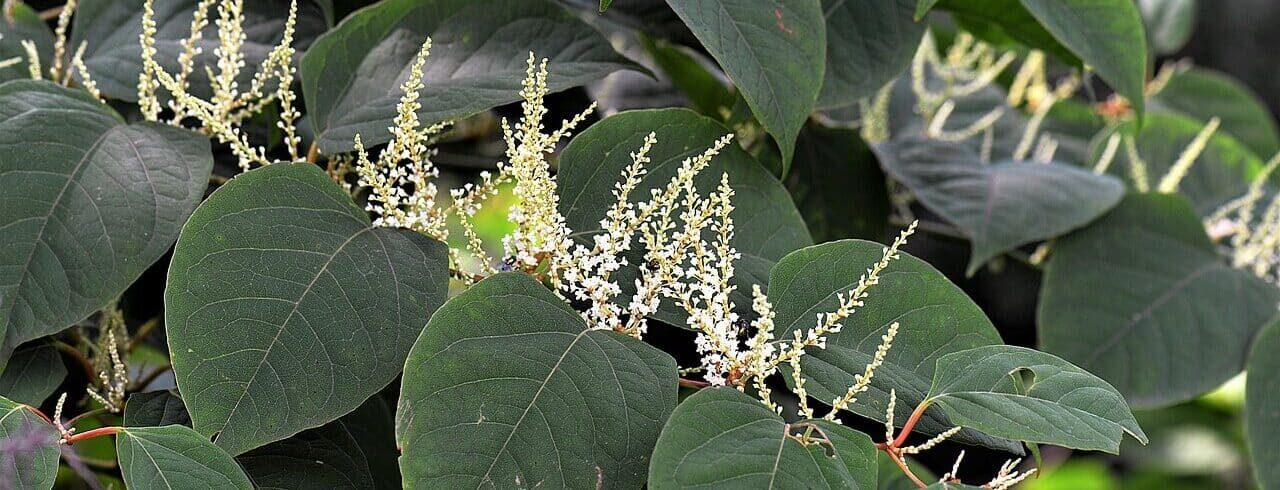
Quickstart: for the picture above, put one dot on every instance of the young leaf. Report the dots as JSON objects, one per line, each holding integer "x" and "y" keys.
{"x": 722, "y": 438}
{"x": 987, "y": 389}
{"x": 110, "y": 31}
{"x": 706, "y": 92}
{"x": 286, "y": 308}
{"x": 775, "y": 53}
{"x": 1221, "y": 173}
{"x": 1000, "y": 205}
{"x": 29, "y": 458}
{"x": 507, "y": 387}
{"x": 89, "y": 202}
{"x": 1262, "y": 406}
{"x": 768, "y": 226}
{"x": 175, "y": 456}
{"x": 868, "y": 44}
{"x": 1142, "y": 299}
{"x": 936, "y": 319}
{"x": 33, "y": 373}
{"x": 1202, "y": 94}
{"x": 838, "y": 185}
{"x": 351, "y": 75}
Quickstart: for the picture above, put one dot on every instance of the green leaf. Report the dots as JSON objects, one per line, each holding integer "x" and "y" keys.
{"x": 30, "y": 453}
{"x": 33, "y": 373}
{"x": 774, "y": 51}
{"x": 1000, "y": 205}
{"x": 21, "y": 22}
{"x": 604, "y": 5}
{"x": 1142, "y": 299}
{"x": 286, "y": 309}
{"x": 722, "y": 438}
{"x": 1169, "y": 23}
{"x": 508, "y": 388}
{"x": 351, "y": 76}
{"x": 89, "y": 202}
{"x": 355, "y": 451}
{"x": 706, "y": 93}
{"x": 1106, "y": 34}
{"x": 1262, "y": 407}
{"x": 1221, "y": 173}
{"x": 868, "y": 44}
{"x": 1027, "y": 395}
{"x": 923, "y": 7}
{"x": 768, "y": 226}
{"x": 936, "y": 319}
{"x": 156, "y": 408}
{"x": 373, "y": 426}
{"x": 175, "y": 456}
{"x": 838, "y": 185}
{"x": 1005, "y": 22}
{"x": 325, "y": 457}
{"x": 110, "y": 30}
{"x": 1202, "y": 94}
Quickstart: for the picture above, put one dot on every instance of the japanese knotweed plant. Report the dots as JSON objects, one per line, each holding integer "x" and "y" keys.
{"x": 423, "y": 275}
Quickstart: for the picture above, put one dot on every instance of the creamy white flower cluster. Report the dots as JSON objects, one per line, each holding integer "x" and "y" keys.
{"x": 230, "y": 105}
{"x": 402, "y": 194}
{"x": 1252, "y": 239}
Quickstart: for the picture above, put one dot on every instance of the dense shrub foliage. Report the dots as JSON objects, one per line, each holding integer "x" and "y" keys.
{"x": 345, "y": 244}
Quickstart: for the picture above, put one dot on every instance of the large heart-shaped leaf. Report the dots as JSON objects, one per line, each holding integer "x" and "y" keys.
{"x": 722, "y": 438}
{"x": 774, "y": 51}
{"x": 1203, "y": 94}
{"x": 1142, "y": 299}
{"x": 351, "y": 76}
{"x": 936, "y": 318}
{"x": 33, "y": 373}
{"x": 110, "y": 30}
{"x": 838, "y": 185}
{"x": 30, "y": 455}
{"x": 1220, "y": 174}
{"x": 540, "y": 400}
{"x": 868, "y": 44}
{"x": 1000, "y": 205}
{"x": 1262, "y": 410}
{"x": 285, "y": 308}
{"x": 89, "y": 202}
{"x": 21, "y": 22}
{"x": 175, "y": 456}
{"x": 1027, "y": 395}
{"x": 766, "y": 221}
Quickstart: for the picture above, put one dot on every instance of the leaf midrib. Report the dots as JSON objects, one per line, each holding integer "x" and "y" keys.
{"x": 276, "y": 339}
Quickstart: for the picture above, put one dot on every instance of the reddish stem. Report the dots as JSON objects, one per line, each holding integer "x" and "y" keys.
{"x": 39, "y": 413}
{"x": 90, "y": 434}
{"x": 911, "y": 423}
{"x": 695, "y": 384}
{"x": 902, "y": 465}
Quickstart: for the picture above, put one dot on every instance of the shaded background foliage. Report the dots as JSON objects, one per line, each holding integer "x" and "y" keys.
{"x": 1196, "y": 444}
